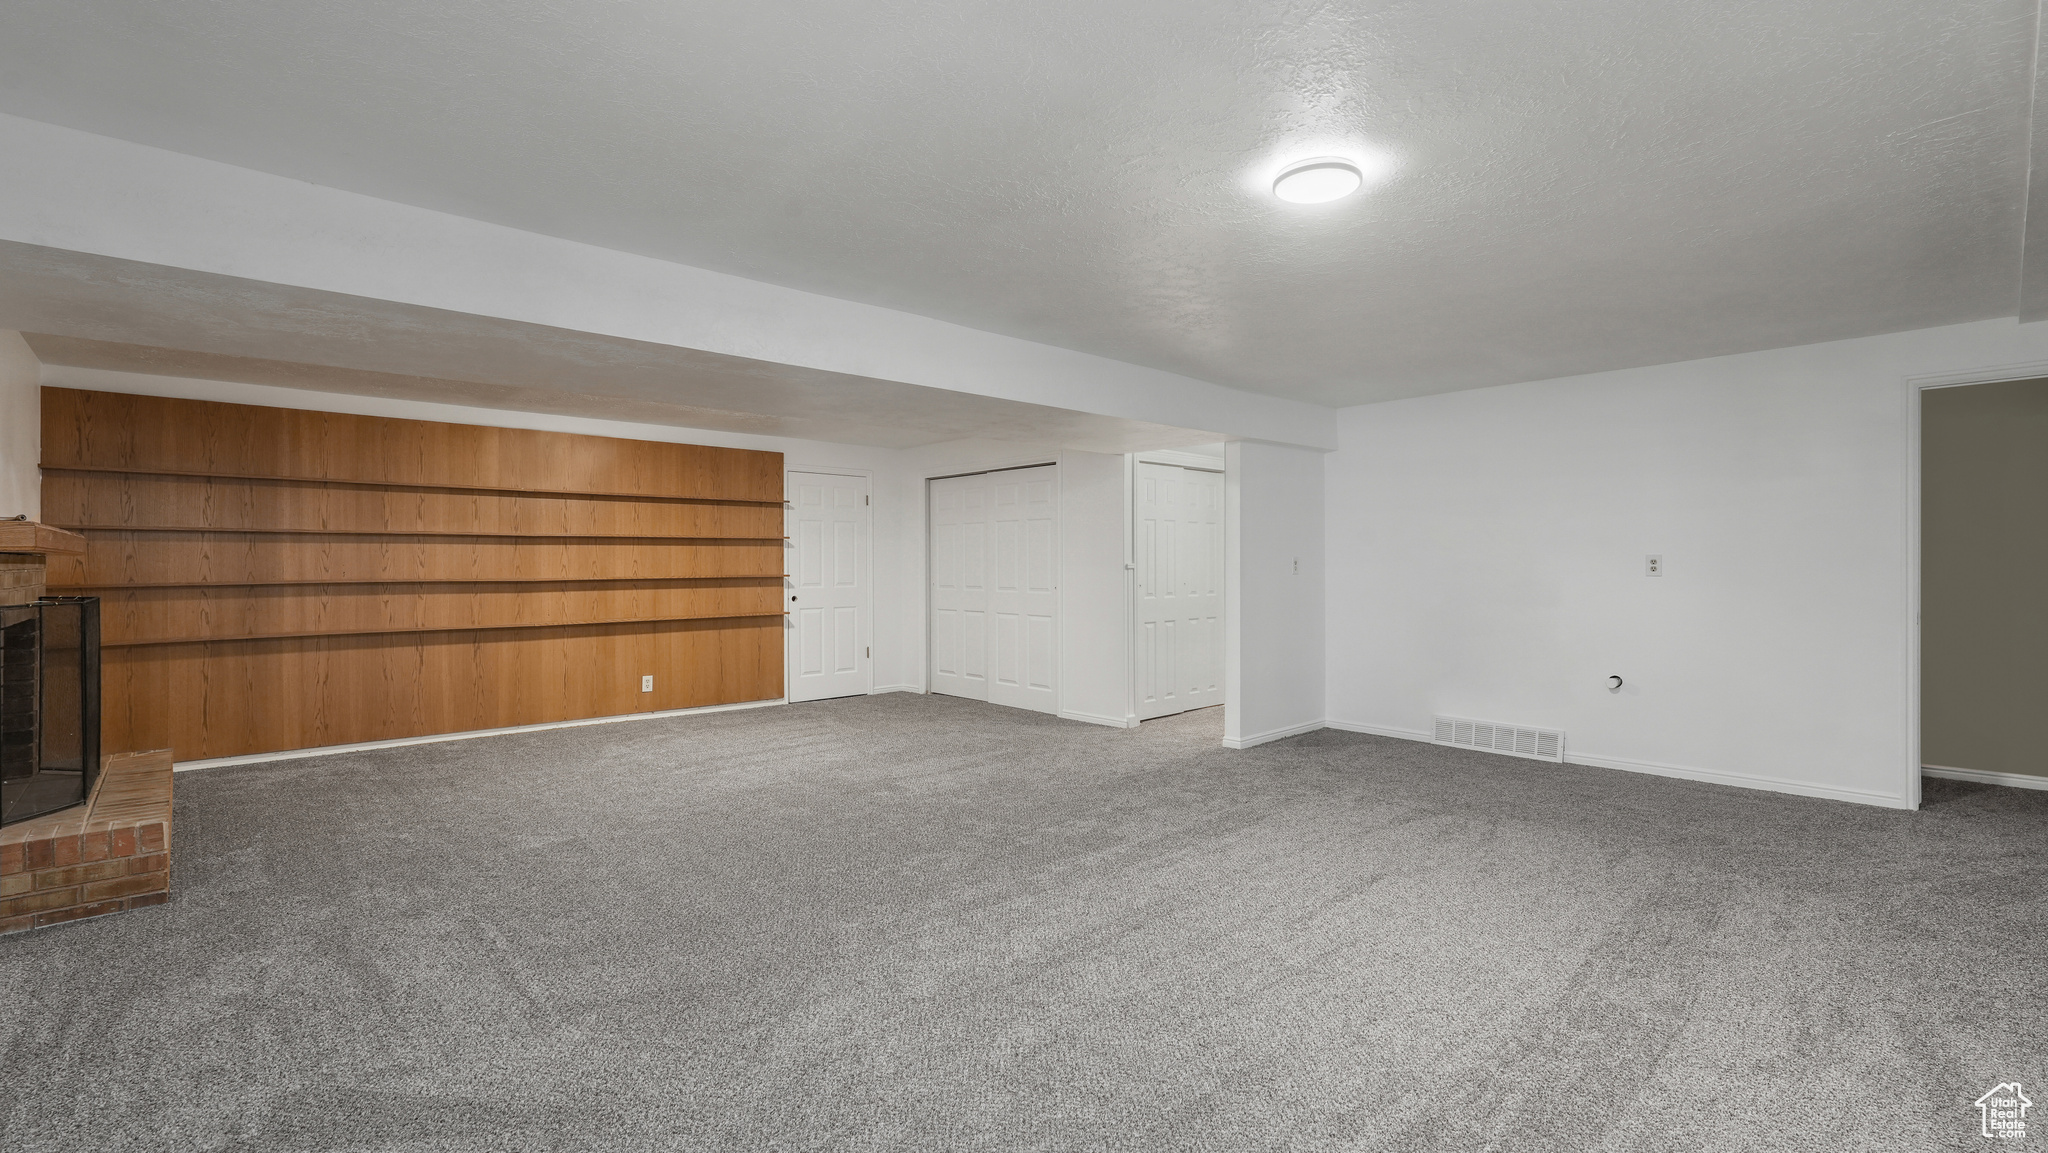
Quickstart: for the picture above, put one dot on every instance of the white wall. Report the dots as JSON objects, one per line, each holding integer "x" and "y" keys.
{"x": 1486, "y": 554}
{"x": 1273, "y": 673}
{"x": 21, "y": 429}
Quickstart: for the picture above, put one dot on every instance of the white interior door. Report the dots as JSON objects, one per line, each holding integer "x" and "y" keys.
{"x": 1178, "y": 546}
{"x": 960, "y": 525}
{"x": 828, "y": 575}
{"x": 1023, "y": 600}
{"x": 994, "y": 596}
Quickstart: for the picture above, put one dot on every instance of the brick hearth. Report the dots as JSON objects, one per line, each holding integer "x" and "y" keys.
{"x": 112, "y": 853}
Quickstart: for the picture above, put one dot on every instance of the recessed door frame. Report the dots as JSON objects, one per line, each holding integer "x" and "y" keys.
{"x": 867, "y": 576}
{"x": 1915, "y": 389}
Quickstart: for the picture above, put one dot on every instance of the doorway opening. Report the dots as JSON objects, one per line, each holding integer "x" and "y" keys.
{"x": 1983, "y": 546}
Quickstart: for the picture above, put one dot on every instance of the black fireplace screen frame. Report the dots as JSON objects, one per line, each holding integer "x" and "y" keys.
{"x": 49, "y": 705}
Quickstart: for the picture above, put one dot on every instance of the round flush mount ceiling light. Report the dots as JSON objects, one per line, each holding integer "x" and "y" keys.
{"x": 1318, "y": 181}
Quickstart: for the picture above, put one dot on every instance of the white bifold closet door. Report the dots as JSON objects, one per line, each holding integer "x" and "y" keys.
{"x": 994, "y": 600}
{"x": 1178, "y": 518}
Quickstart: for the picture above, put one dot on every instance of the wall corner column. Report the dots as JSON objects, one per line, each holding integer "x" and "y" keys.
{"x": 1273, "y": 639}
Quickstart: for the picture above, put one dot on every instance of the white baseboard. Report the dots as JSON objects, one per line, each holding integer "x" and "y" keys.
{"x": 1272, "y": 735}
{"x": 330, "y": 750}
{"x": 1422, "y": 735}
{"x": 1985, "y": 777}
{"x": 1680, "y": 772}
{"x": 1740, "y": 780}
{"x": 880, "y": 689}
{"x": 1093, "y": 719}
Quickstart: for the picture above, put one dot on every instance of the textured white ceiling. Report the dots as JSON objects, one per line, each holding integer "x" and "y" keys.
{"x": 1583, "y": 185}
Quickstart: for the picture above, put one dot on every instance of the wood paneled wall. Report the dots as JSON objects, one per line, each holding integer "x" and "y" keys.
{"x": 276, "y": 579}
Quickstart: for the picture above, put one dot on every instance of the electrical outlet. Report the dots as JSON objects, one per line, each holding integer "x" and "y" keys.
{"x": 1653, "y": 566}
{"x": 647, "y": 684}
{"x": 1297, "y": 566}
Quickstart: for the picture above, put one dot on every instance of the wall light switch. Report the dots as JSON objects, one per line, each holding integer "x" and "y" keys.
{"x": 1653, "y": 566}
{"x": 647, "y": 684}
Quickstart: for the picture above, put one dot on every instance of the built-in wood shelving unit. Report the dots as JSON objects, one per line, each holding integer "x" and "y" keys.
{"x": 276, "y": 579}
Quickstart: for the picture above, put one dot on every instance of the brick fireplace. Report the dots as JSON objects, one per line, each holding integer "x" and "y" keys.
{"x": 109, "y": 854}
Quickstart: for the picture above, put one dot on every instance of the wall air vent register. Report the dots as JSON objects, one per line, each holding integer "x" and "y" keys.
{"x": 1465, "y": 733}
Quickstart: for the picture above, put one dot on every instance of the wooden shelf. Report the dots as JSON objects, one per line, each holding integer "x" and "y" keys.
{"x": 230, "y": 638}
{"x": 425, "y": 486}
{"x": 88, "y": 589}
{"x": 136, "y": 558}
{"x": 47, "y": 540}
{"x": 544, "y": 536}
{"x": 113, "y": 503}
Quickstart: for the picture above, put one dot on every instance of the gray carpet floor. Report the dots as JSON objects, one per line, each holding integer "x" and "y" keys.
{"x": 911, "y": 923}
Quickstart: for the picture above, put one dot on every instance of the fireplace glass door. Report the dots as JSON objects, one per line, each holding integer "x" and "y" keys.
{"x": 49, "y": 705}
